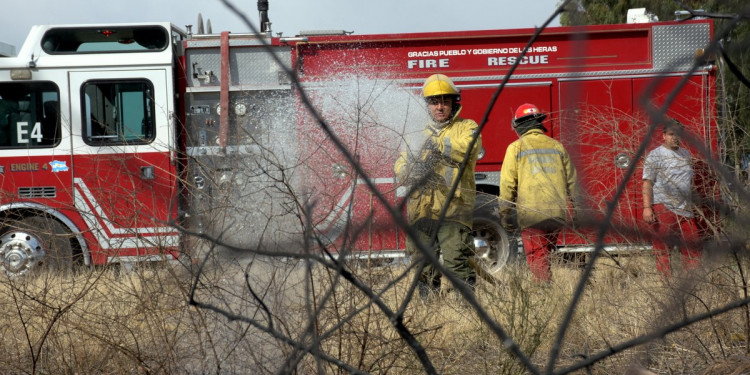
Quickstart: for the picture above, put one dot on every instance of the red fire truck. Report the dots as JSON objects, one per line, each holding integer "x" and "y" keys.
{"x": 130, "y": 142}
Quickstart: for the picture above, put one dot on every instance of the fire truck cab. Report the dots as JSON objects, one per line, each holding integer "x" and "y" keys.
{"x": 88, "y": 146}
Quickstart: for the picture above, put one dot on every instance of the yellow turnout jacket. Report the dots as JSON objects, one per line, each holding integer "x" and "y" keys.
{"x": 450, "y": 144}
{"x": 539, "y": 177}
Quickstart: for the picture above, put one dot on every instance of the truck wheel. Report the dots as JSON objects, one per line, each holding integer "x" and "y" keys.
{"x": 494, "y": 247}
{"x": 35, "y": 243}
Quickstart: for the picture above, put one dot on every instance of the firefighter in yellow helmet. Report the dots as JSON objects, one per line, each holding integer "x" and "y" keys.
{"x": 539, "y": 177}
{"x": 430, "y": 175}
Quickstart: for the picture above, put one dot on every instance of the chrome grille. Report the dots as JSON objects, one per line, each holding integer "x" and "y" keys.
{"x": 37, "y": 192}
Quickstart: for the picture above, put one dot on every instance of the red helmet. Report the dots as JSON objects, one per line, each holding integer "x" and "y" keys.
{"x": 527, "y": 112}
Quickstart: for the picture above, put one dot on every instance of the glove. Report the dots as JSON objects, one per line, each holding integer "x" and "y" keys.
{"x": 508, "y": 221}
{"x": 416, "y": 169}
{"x": 433, "y": 143}
{"x": 436, "y": 145}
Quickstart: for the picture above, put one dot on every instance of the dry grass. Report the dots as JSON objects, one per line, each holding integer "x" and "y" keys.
{"x": 107, "y": 322}
{"x": 625, "y": 298}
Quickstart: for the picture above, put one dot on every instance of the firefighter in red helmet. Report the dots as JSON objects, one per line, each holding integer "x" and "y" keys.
{"x": 430, "y": 176}
{"x": 538, "y": 179}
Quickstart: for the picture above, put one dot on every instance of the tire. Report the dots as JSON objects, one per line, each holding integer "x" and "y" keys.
{"x": 495, "y": 248}
{"x": 35, "y": 243}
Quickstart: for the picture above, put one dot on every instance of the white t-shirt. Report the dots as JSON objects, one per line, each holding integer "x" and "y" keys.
{"x": 672, "y": 174}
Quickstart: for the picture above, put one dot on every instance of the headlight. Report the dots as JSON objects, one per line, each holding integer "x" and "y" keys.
{"x": 622, "y": 160}
{"x": 480, "y": 155}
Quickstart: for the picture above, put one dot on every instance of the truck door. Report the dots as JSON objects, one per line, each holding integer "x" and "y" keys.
{"x": 35, "y": 144}
{"x": 603, "y": 126}
{"x": 601, "y": 132}
{"x": 693, "y": 108}
{"x": 124, "y": 178}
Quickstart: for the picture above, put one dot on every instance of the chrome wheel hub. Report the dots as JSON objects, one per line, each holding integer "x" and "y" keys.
{"x": 19, "y": 252}
{"x": 482, "y": 248}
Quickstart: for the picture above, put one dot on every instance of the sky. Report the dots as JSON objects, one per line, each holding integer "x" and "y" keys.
{"x": 286, "y": 16}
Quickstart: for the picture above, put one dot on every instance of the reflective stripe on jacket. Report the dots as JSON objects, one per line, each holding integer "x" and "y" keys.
{"x": 539, "y": 177}
{"x": 449, "y": 146}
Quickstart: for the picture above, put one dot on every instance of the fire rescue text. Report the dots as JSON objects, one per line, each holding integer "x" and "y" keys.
{"x": 491, "y": 61}
{"x": 498, "y": 60}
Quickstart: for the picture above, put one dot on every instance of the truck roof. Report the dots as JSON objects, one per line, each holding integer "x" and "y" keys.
{"x": 60, "y": 45}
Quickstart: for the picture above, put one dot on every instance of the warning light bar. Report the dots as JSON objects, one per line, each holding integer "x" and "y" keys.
{"x": 107, "y": 32}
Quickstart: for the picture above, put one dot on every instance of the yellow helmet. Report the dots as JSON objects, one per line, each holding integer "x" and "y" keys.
{"x": 439, "y": 84}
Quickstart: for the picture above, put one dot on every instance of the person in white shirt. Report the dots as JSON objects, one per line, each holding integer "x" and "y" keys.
{"x": 667, "y": 200}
